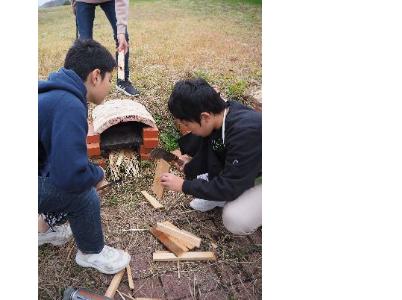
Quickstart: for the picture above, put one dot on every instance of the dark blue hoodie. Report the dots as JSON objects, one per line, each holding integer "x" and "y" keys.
{"x": 63, "y": 130}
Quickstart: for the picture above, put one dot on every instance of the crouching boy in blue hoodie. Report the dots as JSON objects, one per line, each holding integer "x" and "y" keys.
{"x": 67, "y": 180}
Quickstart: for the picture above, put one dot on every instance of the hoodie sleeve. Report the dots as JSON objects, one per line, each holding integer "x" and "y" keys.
{"x": 242, "y": 165}
{"x": 71, "y": 169}
{"x": 121, "y": 7}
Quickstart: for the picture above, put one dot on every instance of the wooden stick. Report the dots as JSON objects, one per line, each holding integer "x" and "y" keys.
{"x": 114, "y": 284}
{"x": 161, "y": 167}
{"x": 130, "y": 277}
{"x": 120, "y": 294}
{"x": 186, "y": 256}
{"x": 176, "y": 248}
{"x": 155, "y": 203}
{"x": 120, "y": 65}
{"x": 187, "y": 237}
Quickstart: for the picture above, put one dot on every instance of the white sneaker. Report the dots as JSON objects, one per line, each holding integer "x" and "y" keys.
{"x": 58, "y": 237}
{"x": 108, "y": 261}
{"x": 205, "y": 205}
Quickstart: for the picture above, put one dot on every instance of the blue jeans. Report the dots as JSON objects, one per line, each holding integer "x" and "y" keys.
{"x": 83, "y": 213}
{"x": 85, "y": 15}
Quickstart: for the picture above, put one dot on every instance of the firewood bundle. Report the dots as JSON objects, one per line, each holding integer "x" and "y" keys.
{"x": 123, "y": 164}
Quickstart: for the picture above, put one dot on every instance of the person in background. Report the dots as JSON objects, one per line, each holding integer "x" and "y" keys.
{"x": 116, "y": 12}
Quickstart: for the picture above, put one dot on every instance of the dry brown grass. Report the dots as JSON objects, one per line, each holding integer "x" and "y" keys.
{"x": 170, "y": 40}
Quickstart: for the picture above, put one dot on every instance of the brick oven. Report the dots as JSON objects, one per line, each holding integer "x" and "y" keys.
{"x": 121, "y": 124}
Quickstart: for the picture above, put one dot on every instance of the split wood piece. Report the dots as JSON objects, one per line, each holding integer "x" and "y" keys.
{"x": 161, "y": 167}
{"x": 130, "y": 278}
{"x": 155, "y": 203}
{"x": 173, "y": 245}
{"x": 120, "y": 65}
{"x": 188, "y": 238}
{"x": 114, "y": 284}
{"x": 186, "y": 256}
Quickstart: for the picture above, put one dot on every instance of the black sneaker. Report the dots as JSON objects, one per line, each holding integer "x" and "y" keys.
{"x": 127, "y": 88}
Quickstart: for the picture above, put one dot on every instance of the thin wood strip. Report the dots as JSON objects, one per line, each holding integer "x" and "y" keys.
{"x": 120, "y": 65}
{"x": 114, "y": 284}
{"x": 130, "y": 278}
{"x": 155, "y": 203}
{"x": 186, "y": 256}
{"x": 161, "y": 167}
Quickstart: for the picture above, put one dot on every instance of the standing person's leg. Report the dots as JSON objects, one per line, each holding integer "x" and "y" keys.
{"x": 126, "y": 86}
{"x": 244, "y": 214}
{"x": 85, "y": 15}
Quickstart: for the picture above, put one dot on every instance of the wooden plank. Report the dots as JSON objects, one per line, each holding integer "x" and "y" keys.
{"x": 186, "y": 256}
{"x": 173, "y": 246}
{"x": 170, "y": 229}
{"x": 161, "y": 167}
{"x": 190, "y": 244}
{"x": 197, "y": 240}
{"x": 130, "y": 277}
{"x": 114, "y": 284}
{"x": 120, "y": 65}
{"x": 155, "y": 203}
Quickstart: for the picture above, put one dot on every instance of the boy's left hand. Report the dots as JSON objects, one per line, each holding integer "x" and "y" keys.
{"x": 172, "y": 182}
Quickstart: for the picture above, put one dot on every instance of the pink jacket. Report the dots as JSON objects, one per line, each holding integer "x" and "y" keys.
{"x": 121, "y": 7}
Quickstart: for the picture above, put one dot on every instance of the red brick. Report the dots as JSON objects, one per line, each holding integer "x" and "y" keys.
{"x": 92, "y": 137}
{"x": 150, "y": 132}
{"x": 150, "y": 143}
{"x": 144, "y": 150}
{"x": 93, "y": 149}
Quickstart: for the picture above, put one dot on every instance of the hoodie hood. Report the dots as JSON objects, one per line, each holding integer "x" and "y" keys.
{"x": 67, "y": 80}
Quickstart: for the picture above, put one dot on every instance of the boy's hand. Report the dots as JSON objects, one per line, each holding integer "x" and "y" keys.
{"x": 123, "y": 45}
{"x": 172, "y": 182}
{"x": 185, "y": 159}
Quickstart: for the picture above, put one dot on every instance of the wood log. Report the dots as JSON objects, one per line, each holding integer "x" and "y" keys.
{"x": 186, "y": 256}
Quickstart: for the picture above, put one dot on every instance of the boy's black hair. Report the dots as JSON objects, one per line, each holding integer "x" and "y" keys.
{"x": 84, "y": 56}
{"x": 192, "y": 97}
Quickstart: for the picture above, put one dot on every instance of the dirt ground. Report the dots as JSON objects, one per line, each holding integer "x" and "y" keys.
{"x": 170, "y": 40}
